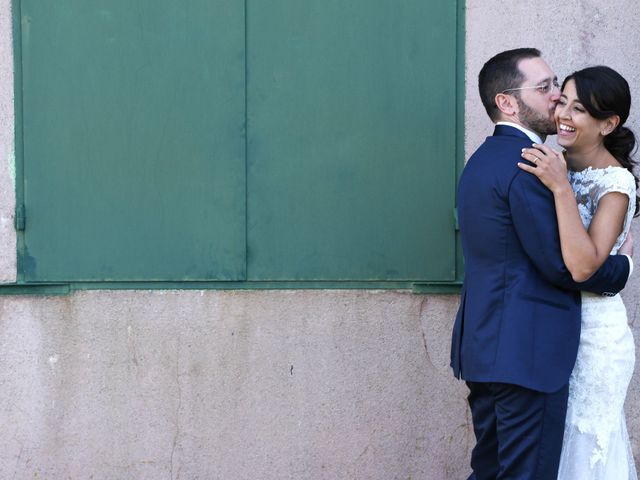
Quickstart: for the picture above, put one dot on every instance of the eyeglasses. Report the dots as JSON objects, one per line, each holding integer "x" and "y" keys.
{"x": 543, "y": 88}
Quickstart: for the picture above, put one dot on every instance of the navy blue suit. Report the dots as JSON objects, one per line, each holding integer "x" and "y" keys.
{"x": 519, "y": 318}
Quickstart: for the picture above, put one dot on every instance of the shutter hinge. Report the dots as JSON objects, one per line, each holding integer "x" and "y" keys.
{"x": 21, "y": 218}
{"x": 456, "y": 225}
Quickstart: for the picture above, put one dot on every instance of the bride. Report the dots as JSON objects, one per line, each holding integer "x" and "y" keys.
{"x": 595, "y": 202}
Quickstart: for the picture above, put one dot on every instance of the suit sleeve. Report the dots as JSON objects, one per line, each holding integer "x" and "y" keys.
{"x": 534, "y": 217}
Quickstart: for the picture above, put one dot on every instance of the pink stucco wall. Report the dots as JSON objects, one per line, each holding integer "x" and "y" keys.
{"x": 7, "y": 163}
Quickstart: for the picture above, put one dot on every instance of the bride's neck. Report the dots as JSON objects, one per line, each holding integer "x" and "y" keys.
{"x": 595, "y": 156}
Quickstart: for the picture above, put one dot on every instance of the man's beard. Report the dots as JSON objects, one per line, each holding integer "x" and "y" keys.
{"x": 535, "y": 121}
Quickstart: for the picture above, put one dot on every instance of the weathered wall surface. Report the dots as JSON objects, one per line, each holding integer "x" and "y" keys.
{"x": 265, "y": 384}
{"x": 7, "y": 156}
{"x": 229, "y": 385}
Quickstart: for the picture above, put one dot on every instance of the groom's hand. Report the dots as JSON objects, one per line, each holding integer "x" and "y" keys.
{"x": 627, "y": 247}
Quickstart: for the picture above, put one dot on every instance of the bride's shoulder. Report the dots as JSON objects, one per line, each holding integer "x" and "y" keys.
{"x": 618, "y": 173}
{"x": 617, "y": 179}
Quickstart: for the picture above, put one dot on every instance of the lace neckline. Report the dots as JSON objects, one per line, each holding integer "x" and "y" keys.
{"x": 595, "y": 170}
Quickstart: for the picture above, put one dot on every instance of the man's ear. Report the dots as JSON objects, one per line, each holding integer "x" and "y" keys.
{"x": 609, "y": 125}
{"x": 506, "y": 104}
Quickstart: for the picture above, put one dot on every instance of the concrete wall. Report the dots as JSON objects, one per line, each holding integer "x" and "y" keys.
{"x": 229, "y": 385}
{"x": 265, "y": 384}
{"x": 7, "y": 156}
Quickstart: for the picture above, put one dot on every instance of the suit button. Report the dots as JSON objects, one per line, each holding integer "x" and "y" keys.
{"x": 608, "y": 294}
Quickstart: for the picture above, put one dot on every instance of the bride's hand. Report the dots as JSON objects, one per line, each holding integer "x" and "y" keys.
{"x": 550, "y": 166}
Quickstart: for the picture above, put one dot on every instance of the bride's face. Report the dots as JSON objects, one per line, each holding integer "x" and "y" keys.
{"x": 577, "y": 129}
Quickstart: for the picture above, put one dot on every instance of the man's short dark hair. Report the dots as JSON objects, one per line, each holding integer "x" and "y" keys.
{"x": 500, "y": 73}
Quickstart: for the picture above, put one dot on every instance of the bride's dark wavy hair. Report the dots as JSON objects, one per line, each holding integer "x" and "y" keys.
{"x": 604, "y": 92}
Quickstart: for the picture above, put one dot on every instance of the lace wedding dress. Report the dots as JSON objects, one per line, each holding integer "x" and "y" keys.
{"x": 596, "y": 444}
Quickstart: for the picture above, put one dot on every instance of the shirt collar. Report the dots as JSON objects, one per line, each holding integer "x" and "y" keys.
{"x": 534, "y": 137}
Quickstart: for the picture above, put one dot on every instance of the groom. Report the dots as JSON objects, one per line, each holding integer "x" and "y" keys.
{"x": 516, "y": 334}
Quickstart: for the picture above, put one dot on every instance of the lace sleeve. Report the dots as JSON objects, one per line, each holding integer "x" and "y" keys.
{"x": 622, "y": 181}
{"x": 617, "y": 180}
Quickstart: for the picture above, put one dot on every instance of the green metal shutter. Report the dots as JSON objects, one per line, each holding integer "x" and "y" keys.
{"x": 134, "y": 148}
{"x": 352, "y": 134}
{"x": 291, "y": 141}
